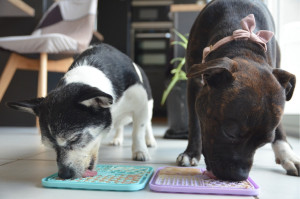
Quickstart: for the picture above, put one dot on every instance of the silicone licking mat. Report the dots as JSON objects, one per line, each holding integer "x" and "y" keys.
{"x": 109, "y": 177}
{"x": 200, "y": 183}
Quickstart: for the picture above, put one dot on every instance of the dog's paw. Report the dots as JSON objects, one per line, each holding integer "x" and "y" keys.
{"x": 116, "y": 142}
{"x": 151, "y": 143}
{"x": 140, "y": 156}
{"x": 288, "y": 159}
{"x": 185, "y": 160}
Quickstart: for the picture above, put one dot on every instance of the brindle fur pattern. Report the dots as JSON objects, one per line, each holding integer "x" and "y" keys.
{"x": 236, "y": 98}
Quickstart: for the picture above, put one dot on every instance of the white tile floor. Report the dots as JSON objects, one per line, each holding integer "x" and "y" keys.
{"x": 24, "y": 162}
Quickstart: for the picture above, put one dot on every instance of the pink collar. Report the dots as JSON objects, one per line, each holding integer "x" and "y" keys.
{"x": 248, "y": 25}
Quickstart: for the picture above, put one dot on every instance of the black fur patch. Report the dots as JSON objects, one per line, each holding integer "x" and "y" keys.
{"x": 115, "y": 65}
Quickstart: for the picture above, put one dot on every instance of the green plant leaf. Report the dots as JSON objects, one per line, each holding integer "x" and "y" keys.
{"x": 168, "y": 90}
{"x": 182, "y": 75}
{"x": 184, "y": 45}
{"x": 181, "y": 64}
{"x": 176, "y": 59}
{"x": 182, "y": 37}
{"x": 178, "y": 73}
{"x": 173, "y": 71}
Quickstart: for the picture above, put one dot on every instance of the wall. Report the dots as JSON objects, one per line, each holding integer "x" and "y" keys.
{"x": 287, "y": 20}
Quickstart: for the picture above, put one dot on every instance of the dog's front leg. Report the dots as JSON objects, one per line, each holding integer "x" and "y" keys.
{"x": 284, "y": 154}
{"x": 118, "y": 138}
{"x": 139, "y": 147}
{"x": 150, "y": 140}
{"x": 191, "y": 156}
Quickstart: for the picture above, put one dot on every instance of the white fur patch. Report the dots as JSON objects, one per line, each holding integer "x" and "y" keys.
{"x": 282, "y": 150}
{"x": 184, "y": 160}
{"x": 138, "y": 71}
{"x": 79, "y": 159}
{"x": 150, "y": 140}
{"x": 46, "y": 142}
{"x": 61, "y": 141}
{"x": 102, "y": 101}
{"x": 133, "y": 99}
{"x": 133, "y": 106}
{"x": 286, "y": 156}
{"x": 90, "y": 47}
{"x": 123, "y": 110}
{"x": 91, "y": 76}
{"x": 96, "y": 131}
{"x": 50, "y": 130}
{"x": 26, "y": 109}
{"x": 150, "y": 108}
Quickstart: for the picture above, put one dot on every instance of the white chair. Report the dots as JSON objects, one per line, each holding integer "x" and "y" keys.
{"x": 67, "y": 27}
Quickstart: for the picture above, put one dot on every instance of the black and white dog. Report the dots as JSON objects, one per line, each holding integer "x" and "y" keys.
{"x": 102, "y": 91}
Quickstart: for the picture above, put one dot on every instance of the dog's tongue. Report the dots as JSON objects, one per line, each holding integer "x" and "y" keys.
{"x": 89, "y": 173}
{"x": 210, "y": 174}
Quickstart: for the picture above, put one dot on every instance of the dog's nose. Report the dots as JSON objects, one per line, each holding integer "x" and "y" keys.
{"x": 66, "y": 173}
{"x": 237, "y": 174}
{"x": 240, "y": 174}
{"x": 233, "y": 174}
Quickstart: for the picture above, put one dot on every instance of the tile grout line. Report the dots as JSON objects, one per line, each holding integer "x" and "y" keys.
{"x": 26, "y": 158}
{"x": 9, "y": 162}
{"x": 29, "y": 156}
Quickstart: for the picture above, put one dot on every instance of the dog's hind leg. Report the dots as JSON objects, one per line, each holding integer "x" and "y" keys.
{"x": 150, "y": 140}
{"x": 118, "y": 138}
{"x": 139, "y": 147}
{"x": 121, "y": 121}
{"x": 139, "y": 122}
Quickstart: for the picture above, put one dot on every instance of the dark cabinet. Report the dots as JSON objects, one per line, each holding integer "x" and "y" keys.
{"x": 114, "y": 23}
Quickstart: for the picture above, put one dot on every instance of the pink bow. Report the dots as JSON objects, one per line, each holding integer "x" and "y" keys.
{"x": 248, "y": 24}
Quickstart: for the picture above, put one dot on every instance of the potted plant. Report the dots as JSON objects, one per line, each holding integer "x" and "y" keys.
{"x": 175, "y": 96}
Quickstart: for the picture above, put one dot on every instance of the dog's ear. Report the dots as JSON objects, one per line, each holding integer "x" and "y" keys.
{"x": 217, "y": 72}
{"x": 95, "y": 98}
{"x": 287, "y": 81}
{"x": 31, "y": 106}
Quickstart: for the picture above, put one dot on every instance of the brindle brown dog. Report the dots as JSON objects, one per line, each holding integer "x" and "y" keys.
{"x": 236, "y": 96}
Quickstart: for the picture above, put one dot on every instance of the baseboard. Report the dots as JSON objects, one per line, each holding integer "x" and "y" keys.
{"x": 291, "y": 125}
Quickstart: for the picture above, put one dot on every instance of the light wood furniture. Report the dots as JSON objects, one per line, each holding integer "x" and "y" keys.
{"x": 186, "y": 7}
{"x": 15, "y": 8}
{"x": 43, "y": 65}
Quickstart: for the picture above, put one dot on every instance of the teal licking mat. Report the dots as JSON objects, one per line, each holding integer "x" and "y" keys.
{"x": 109, "y": 177}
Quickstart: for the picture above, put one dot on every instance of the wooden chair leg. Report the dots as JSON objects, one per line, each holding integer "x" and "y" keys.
{"x": 42, "y": 80}
{"x": 43, "y": 74}
{"x": 7, "y": 74}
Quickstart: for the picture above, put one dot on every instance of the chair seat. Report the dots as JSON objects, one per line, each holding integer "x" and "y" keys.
{"x": 46, "y": 43}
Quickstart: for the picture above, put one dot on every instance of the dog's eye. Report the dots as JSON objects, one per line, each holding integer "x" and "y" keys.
{"x": 231, "y": 130}
{"x": 75, "y": 139}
